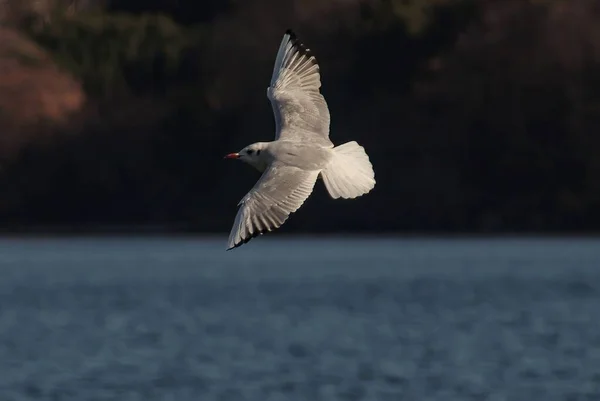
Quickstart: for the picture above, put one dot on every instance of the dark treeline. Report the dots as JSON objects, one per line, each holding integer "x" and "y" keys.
{"x": 478, "y": 115}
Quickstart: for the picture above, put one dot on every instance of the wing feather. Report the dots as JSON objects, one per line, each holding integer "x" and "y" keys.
{"x": 300, "y": 110}
{"x": 280, "y": 191}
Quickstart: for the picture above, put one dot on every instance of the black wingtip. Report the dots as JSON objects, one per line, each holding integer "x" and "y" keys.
{"x": 301, "y": 48}
{"x": 248, "y": 239}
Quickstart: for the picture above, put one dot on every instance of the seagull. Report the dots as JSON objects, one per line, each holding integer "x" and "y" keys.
{"x": 301, "y": 152}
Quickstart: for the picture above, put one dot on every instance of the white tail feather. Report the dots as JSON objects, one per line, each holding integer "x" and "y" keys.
{"x": 350, "y": 173}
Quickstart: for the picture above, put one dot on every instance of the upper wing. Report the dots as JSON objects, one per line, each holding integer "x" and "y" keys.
{"x": 281, "y": 190}
{"x": 301, "y": 112}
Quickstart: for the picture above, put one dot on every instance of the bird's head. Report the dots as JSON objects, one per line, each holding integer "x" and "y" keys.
{"x": 253, "y": 154}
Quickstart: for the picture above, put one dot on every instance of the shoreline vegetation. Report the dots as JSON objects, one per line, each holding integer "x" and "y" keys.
{"x": 178, "y": 231}
{"x": 479, "y": 116}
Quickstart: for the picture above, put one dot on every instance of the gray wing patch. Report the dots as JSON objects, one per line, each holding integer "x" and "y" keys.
{"x": 280, "y": 191}
{"x": 300, "y": 111}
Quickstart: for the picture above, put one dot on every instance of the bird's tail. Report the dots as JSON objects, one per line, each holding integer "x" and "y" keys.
{"x": 350, "y": 173}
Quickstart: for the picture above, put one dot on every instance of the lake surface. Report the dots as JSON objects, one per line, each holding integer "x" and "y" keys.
{"x": 298, "y": 319}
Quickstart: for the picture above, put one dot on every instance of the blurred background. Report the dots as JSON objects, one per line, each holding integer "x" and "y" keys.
{"x": 480, "y": 117}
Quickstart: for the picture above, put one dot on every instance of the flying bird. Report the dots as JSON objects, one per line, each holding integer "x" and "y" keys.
{"x": 301, "y": 152}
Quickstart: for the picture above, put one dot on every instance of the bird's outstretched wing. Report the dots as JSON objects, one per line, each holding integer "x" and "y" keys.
{"x": 280, "y": 191}
{"x": 301, "y": 112}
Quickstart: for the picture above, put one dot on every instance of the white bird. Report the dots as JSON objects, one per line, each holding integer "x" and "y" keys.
{"x": 301, "y": 151}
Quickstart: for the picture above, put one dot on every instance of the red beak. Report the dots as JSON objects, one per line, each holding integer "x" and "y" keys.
{"x": 232, "y": 156}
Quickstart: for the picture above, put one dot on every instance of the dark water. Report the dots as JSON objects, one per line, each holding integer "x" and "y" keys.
{"x": 333, "y": 319}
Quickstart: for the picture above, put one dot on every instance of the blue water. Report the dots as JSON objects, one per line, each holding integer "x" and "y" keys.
{"x": 325, "y": 319}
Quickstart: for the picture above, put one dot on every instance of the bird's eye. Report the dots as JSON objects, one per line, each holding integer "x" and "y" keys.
{"x": 250, "y": 151}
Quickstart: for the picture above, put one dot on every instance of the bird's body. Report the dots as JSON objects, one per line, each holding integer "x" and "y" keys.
{"x": 301, "y": 152}
{"x": 305, "y": 156}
